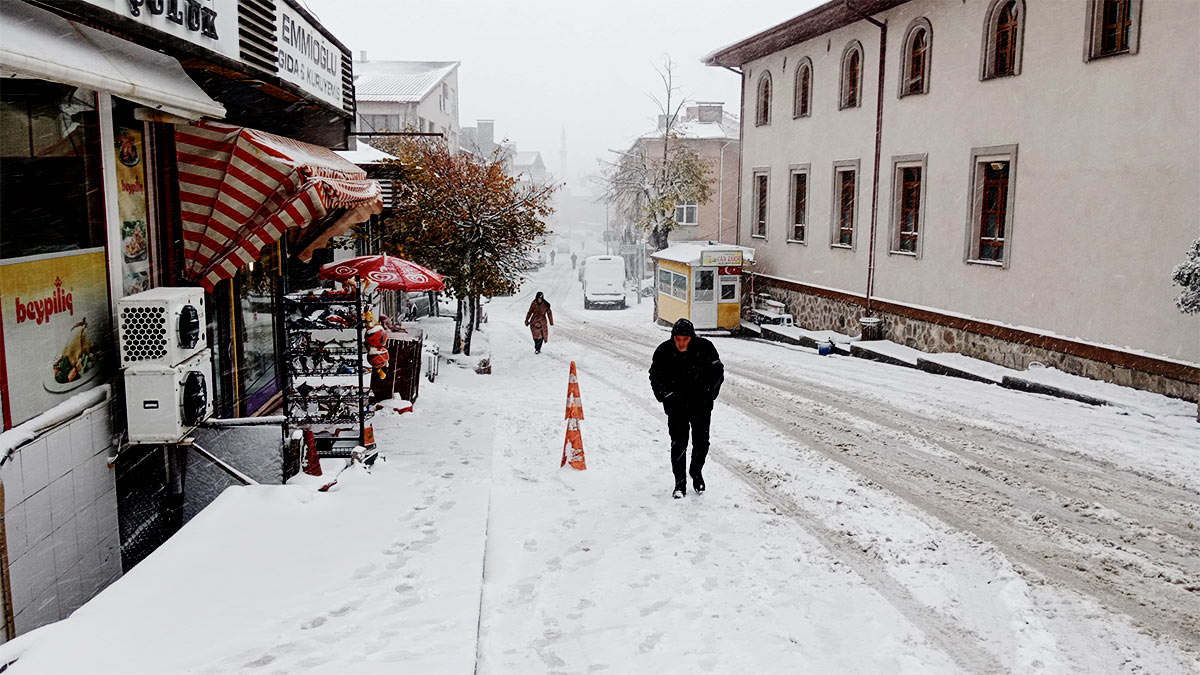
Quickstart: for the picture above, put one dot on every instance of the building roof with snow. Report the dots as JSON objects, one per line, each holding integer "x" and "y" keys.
{"x": 399, "y": 81}
{"x": 701, "y": 121}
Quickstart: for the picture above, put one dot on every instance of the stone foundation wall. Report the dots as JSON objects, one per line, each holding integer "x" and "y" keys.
{"x": 821, "y": 313}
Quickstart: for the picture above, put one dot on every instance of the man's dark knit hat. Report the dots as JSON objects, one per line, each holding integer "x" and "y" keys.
{"x": 683, "y": 327}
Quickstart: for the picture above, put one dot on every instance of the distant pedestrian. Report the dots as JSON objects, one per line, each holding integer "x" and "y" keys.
{"x": 573, "y": 259}
{"x": 551, "y": 256}
{"x": 539, "y": 318}
{"x": 686, "y": 374}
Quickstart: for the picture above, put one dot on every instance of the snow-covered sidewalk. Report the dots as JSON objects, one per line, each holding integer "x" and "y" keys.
{"x": 384, "y": 569}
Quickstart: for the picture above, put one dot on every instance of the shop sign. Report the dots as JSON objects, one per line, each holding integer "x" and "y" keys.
{"x": 131, "y": 207}
{"x": 57, "y": 335}
{"x": 211, "y": 24}
{"x": 728, "y": 258}
{"x": 306, "y": 58}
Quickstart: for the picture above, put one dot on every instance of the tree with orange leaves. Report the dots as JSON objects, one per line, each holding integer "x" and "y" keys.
{"x": 465, "y": 217}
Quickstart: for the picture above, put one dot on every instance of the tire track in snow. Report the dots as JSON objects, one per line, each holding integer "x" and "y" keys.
{"x": 964, "y": 647}
{"x": 1154, "y": 601}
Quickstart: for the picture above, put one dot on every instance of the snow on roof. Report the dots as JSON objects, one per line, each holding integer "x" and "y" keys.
{"x": 690, "y": 253}
{"x": 365, "y": 154}
{"x": 527, "y": 158}
{"x": 399, "y": 81}
{"x": 727, "y": 128}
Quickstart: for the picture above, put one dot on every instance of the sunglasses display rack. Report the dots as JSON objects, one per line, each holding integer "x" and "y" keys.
{"x": 326, "y": 373}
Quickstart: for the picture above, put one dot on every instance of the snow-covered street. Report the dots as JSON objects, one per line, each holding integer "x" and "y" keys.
{"x": 860, "y": 518}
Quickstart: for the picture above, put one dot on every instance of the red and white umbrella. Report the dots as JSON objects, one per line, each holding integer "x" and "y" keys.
{"x": 388, "y": 272}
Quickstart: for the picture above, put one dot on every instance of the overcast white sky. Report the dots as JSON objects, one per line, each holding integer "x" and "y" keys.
{"x": 538, "y": 66}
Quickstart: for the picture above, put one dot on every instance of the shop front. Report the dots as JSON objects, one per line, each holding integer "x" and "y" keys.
{"x": 702, "y": 283}
{"x": 95, "y": 205}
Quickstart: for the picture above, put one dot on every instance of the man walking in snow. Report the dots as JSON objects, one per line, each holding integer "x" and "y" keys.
{"x": 686, "y": 375}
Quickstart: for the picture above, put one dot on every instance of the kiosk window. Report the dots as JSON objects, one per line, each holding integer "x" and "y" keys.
{"x": 704, "y": 285}
{"x": 679, "y": 287}
{"x": 728, "y": 291}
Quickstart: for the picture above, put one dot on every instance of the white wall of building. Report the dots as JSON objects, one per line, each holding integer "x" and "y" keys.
{"x": 60, "y": 519}
{"x": 1107, "y": 184}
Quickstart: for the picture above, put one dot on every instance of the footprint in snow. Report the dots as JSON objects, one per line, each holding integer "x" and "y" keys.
{"x": 647, "y": 611}
{"x": 316, "y": 622}
{"x": 650, "y": 642}
{"x": 531, "y": 545}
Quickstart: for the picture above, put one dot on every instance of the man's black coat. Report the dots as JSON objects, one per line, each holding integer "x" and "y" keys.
{"x": 686, "y": 382}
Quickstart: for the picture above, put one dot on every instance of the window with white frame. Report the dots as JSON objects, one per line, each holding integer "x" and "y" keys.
{"x": 686, "y": 213}
{"x": 798, "y": 204}
{"x": 990, "y": 222}
{"x": 762, "y": 115}
{"x": 914, "y": 60}
{"x": 851, "y": 79}
{"x": 729, "y": 289}
{"x": 1003, "y": 39}
{"x": 1113, "y": 27}
{"x": 672, "y": 284}
{"x": 679, "y": 286}
{"x": 908, "y": 203}
{"x": 760, "y": 203}
{"x": 845, "y": 203}
{"x": 802, "y": 95}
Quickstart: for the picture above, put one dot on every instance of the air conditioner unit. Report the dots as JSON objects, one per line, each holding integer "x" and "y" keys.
{"x": 163, "y": 403}
{"x": 161, "y": 326}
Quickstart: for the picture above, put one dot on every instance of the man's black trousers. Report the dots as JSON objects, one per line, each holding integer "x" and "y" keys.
{"x": 678, "y": 424}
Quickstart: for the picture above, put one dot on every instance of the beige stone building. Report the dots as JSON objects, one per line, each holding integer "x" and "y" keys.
{"x": 712, "y": 133}
{"x": 1012, "y": 179}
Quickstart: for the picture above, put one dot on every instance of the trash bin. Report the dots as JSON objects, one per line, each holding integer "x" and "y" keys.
{"x": 403, "y": 369}
{"x": 871, "y": 328}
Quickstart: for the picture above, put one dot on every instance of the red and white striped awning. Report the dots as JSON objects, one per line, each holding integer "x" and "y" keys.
{"x": 240, "y": 190}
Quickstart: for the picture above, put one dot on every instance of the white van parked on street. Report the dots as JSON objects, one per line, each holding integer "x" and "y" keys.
{"x": 604, "y": 281}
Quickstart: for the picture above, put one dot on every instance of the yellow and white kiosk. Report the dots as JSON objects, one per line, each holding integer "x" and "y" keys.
{"x": 702, "y": 282}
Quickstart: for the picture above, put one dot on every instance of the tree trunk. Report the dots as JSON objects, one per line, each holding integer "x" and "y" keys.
{"x": 458, "y": 329}
{"x": 470, "y": 326}
{"x": 478, "y": 313}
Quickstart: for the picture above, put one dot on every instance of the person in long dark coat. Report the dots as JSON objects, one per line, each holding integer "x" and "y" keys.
{"x": 686, "y": 375}
{"x": 539, "y": 318}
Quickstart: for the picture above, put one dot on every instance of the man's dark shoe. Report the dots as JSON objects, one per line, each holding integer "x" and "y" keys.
{"x": 698, "y": 482}
{"x": 680, "y": 490}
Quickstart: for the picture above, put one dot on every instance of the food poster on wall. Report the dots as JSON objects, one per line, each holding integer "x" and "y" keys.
{"x": 57, "y": 335}
{"x": 131, "y": 208}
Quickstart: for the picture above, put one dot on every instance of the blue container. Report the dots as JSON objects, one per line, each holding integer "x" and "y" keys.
{"x": 825, "y": 348}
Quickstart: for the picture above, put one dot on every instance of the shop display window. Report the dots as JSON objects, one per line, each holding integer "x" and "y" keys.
{"x": 51, "y": 198}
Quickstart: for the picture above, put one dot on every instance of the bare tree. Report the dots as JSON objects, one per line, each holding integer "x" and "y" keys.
{"x": 645, "y": 183}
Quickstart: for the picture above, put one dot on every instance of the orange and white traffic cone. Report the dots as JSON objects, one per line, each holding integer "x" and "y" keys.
{"x": 574, "y": 415}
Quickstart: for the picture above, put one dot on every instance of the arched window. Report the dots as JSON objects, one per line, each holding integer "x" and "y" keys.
{"x": 1003, "y": 39}
{"x": 914, "y": 69}
{"x": 802, "y": 97}
{"x": 1113, "y": 27}
{"x": 851, "y": 85}
{"x": 763, "y": 114}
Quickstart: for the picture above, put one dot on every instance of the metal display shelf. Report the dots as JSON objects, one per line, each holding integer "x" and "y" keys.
{"x": 326, "y": 381}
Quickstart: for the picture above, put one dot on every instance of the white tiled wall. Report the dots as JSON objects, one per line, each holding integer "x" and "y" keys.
{"x": 60, "y": 513}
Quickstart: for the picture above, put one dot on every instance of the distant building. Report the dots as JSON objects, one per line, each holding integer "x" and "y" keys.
{"x": 479, "y": 139}
{"x": 528, "y": 164}
{"x": 408, "y": 95}
{"x": 712, "y": 133}
{"x": 1015, "y": 186}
